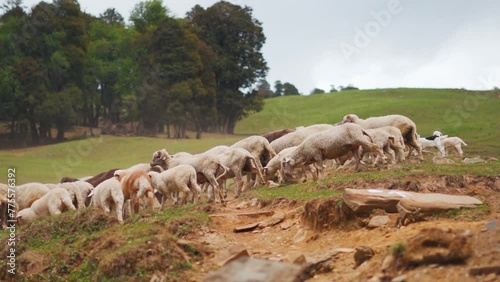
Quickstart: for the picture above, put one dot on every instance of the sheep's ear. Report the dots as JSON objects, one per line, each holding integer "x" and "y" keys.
{"x": 19, "y": 216}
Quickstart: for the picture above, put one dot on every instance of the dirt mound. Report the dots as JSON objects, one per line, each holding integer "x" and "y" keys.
{"x": 323, "y": 214}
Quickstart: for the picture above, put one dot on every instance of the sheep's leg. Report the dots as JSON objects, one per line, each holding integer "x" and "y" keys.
{"x": 80, "y": 200}
{"x": 238, "y": 180}
{"x": 357, "y": 159}
{"x": 195, "y": 189}
{"x": 458, "y": 148}
{"x": 216, "y": 187}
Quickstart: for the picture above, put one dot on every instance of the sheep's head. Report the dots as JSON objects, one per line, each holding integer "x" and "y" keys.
{"x": 437, "y": 133}
{"x": 119, "y": 174}
{"x": 350, "y": 118}
{"x": 287, "y": 164}
{"x": 25, "y": 216}
{"x": 160, "y": 158}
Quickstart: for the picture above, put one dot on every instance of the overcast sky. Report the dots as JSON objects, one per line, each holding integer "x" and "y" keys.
{"x": 367, "y": 43}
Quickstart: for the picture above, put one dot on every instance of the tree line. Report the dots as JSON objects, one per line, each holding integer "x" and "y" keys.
{"x": 63, "y": 67}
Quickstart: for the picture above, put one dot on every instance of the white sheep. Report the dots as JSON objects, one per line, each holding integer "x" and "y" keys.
{"x": 452, "y": 143}
{"x": 383, "y": 139}
{"x": 79, "y": 191}
{"x": 216, "y": 150}
{"x": 208, "y": 167}
{"x": 434, "y": 142}
{"x": 296, "y": 137}
{"x": 260, "y": 148}
{"x": 275, "y": 166}
{"x": 108, "y": 195}
{"x": 181, "y": 178}
{"x": 238, "y": 161}
{"x": 406, "y": 126}
{"x": 28, "y": 193}
{"x": 330, "y": 144}
{"x": 398, "y": 145}
{"x": 53, "y": 202}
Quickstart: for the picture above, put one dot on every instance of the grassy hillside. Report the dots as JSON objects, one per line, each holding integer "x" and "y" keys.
{"x": 94, "y": 155}
{"x": 473, "y": 116}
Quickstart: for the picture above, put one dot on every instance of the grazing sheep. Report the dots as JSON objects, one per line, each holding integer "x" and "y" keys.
{"x": 135, "y": 185}
{"x": 260, "y": 148}
{"x": 452, "y": 143}
{"x": 28, "y": 193}
{"x": 181, "y": 178}
{"x": 330, "y": 144}
{"x": 182, "y": 155}
{"x": 274, "y": 165}
{"x": 79, "y": 191}
{"x": 406, "y": 126}
{"x": 273, "y": 135}
{"x": 383, "y": 139}
{"x": 216, "y": 150}
{"x": 54, "y": 202}
{"x": 108, "y": 195}
{"x": 295, "y": 138}
{"x": 208, "y": 167}
{"x": 4, "y": 205}
{"x": 238, "y": 161}
{"x": 398, "y": 145}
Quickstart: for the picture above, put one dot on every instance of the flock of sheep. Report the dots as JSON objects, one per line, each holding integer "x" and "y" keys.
{"x": 265, "y": 159}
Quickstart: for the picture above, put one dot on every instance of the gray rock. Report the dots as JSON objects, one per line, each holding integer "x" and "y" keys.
{"x": 378, "y": 221}
{"x": 473, "y": 160}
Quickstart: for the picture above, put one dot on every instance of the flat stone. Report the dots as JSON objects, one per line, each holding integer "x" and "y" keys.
{"x": 482, "y": 270}
{"x": 245, "y": 228}
{"x": 273, "y": 220}
{"x": 245, "y": 269}
{"x": 286, "y": 225}
{"x": 230, "y": 254}
{"x": 378, "y": 221}
{"x": 473, "y": 160}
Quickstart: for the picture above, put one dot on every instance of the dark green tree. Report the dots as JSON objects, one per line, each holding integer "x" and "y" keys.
{"x": 278, "y": 88}
{"x": 290, "y": 89}
{"x": 237, "y": 39}
{"x": 317, "y": 91}
{"x": 264, "y": 89}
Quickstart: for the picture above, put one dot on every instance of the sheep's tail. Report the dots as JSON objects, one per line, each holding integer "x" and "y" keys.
{"x": 225, "y": 169}
{"x": 463, "y": 143}
{"x": 369, "y": 137}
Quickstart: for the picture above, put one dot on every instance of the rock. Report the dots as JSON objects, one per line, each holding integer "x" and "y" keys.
{"x": 378, "y": 221}
{"x": 362, "y": 254}
{"x": 492, "y": 159}
{"x": 243, "y": 205}
{"x": 246, "y": 269}
{"x": 230, "y": 254}
{"x": 387, "y": 263}
{"x": 286, "y": 225}
{"x": 273, "y": 220}
{"x": 254, "y": 202}
{"x": 436, "y": 246}
{"x": 441, "y": 160}
{"x": 363, "y": 201}
{"x": 271, "y": 183}
{"x": 245, "y": 228}
{"x": 490, "y": 277}
{"x": 301, "y": 260}
{"x": 473, "y": 160}
{"x": 482, "y": 270}
{"x": 299, "y": 236}
{"x": 401, "y": 278}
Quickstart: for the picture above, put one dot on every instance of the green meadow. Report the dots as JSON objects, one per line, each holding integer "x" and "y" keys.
{"x": 473, "y": 116}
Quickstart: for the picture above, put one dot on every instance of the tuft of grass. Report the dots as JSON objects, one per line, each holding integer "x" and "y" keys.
{"x": 397, "y": 249}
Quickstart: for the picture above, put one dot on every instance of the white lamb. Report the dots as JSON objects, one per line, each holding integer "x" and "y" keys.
{"x": 406, "y": 126}
{"x": 275, "y": 166}
{"x": 259, "y": 147}
{"x": 238, "y": 161}
{"x": 383, "y": 139}
{"x": 54, "y": 202}
{"x": 452, "y": 143}
{"x": 330, "y": 144}
{"x": 108, "y": 195}
{"x": 436, "y": 142}
{"x": 181, "y": 178}
{"x": 398, "y": 145}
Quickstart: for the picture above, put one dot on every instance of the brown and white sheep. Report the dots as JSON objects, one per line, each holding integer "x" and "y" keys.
{"x": 404, "y": 124}
{"x": 136, "y": 185}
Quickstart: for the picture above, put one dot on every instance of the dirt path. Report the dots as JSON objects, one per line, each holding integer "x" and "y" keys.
{"x": 292, "y": 237}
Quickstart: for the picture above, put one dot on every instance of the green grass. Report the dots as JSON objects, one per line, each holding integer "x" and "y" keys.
{"x": 81, "y": 158}
{"x": 471, "y": 115}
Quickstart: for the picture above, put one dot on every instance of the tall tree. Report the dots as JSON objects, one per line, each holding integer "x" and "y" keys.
{"x": 278, "y": 88}
{"x": 317, "y": 91}
{"x": 237, "y": 39}
{"x": 264, "y": 89}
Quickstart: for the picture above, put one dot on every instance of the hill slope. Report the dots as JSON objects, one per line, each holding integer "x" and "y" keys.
{"x": 471, "y": 115}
